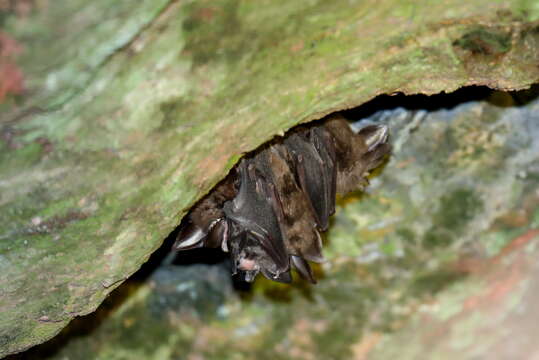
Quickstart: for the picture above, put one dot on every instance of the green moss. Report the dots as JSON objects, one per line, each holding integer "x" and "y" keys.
{"x": 23, "y": 157}
{"x": 438, "y": 238}
{"x": 535, "y": 221}
{"x": 485, "y": 41}
{"x": 457, "y": 208}
{"x": 149, "y": 104}
{"x": 406, "y": 234}
{"x": 433, "y": 282}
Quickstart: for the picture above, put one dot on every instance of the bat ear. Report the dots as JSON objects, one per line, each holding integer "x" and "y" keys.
{"x": 374, "y": 135}
{"x": 190, "y": 236}
{"x": 303, "y": 268}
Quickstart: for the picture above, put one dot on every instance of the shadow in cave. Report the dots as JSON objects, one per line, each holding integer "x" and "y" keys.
{"x": 443, "y": 100}
{"x": 85, "y": 325}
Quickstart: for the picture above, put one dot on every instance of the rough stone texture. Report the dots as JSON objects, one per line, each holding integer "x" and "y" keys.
{"x": 436, "y": 261}
{"x": 117, "y": 116}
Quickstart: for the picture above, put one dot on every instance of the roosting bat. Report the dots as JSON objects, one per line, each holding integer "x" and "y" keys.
{"x": 269, "y": 211}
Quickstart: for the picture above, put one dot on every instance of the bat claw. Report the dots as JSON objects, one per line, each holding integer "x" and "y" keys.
{"x": 303, "y": 268}
{"x": 190, "y": 236}
{"x": 374, "y": 135}
{"x": 283, "y": 277}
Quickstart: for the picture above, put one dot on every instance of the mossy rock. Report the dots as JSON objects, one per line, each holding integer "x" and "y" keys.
{"x": 131, "y": 111}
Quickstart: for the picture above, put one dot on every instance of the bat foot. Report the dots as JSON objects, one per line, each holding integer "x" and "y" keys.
{"x": 190, "y": 236}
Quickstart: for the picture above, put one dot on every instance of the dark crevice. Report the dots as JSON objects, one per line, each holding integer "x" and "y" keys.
{"x": 440, "y": 101}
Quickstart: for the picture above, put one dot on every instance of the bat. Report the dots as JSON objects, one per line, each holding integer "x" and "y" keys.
{"x": 269, "y": 211}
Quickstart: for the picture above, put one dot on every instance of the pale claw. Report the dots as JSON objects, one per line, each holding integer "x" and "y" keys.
{"x": 189, "y": 237}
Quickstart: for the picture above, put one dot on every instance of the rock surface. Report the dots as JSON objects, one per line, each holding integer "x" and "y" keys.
{"x": 115, "y": 117}
{"x": 436, "y": 261}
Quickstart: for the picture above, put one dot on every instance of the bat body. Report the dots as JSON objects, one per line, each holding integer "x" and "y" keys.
{"x": 269, "y": 211}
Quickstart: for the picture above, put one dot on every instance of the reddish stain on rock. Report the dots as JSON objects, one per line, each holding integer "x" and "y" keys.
{"x": 297, "y": 47}
{"x": 517, "y": 243}
{"x": 11, "y": 77}
{"x": 502, "y": 277}
{"x": 206, "y": 14}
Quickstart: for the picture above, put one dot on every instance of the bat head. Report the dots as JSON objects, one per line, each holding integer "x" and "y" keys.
{"x": 249, "y": 258}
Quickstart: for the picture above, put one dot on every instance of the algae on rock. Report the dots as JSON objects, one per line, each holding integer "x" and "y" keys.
{"x": 133, "y": 110}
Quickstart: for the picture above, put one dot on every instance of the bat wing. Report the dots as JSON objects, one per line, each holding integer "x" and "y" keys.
{"x": 284, "y": 277}
{"x": 324, "y": 144}
{"x": 252, "y": 211}
{"x": 314, "y": 176}
{"x": 303, "y": 268}
{"x": 293, "y": 209}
